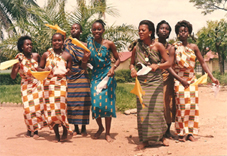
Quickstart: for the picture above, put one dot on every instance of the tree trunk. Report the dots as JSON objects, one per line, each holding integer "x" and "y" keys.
{"x": 220, "y": 60}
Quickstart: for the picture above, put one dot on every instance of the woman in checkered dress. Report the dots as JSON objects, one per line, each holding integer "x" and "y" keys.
{"x": 55, "y": 86}
{"x": 187, "y": 113}
{"x": 31, "y": 88}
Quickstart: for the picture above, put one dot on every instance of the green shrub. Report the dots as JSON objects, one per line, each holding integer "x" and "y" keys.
{"x": 5, "y": 79}
{"x": 123, "y": 76}
{"x": 222, "y": 78}
{"x": 124, "y": 99}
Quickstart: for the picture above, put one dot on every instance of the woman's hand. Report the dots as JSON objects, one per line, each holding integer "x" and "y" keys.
{"x": 17, "y": 66}
{"x": 111, "y": 72}
{"x": 154, "y": 67}
{"x": 86, "y": 56}
{"x": 214, "y": 80}
{"x": 184, "y": 83}
{"x": 47, "y": 69}
{"x": 133, "y": 73}
{"x": 68, "y": 72}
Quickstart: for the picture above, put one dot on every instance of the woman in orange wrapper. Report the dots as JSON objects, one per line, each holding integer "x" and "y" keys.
{"x": 31, "y": 88}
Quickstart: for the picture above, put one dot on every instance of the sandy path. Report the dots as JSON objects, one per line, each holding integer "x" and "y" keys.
{"x": 212, "y": 138}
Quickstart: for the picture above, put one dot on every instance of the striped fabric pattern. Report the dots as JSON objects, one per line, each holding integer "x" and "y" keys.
{"x": 187, "y": 113}
{"x": 150, "y": 115}
{"x": 32, "y": 95}
{"x": 79, "y": 98}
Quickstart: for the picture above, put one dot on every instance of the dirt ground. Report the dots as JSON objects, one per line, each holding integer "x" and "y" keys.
{"x": 212, "y": 136}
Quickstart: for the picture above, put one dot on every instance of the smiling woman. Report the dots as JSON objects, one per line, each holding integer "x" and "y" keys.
{"x": 150, "y": 111}
{"x": 103, "y": 104}
{"x": 55, "y": 86}
{"x": 31, "y": 88}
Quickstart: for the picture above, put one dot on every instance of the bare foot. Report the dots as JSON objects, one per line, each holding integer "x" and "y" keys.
{"x": 108, "y": 138}
{"x": 83, "y": 131}
{"x": 74, "y": 133}
{"x": 165, "y": 142}
{"x": 182, "y": 138}
{"x": 64, "y": 136}
{"x": 191, "y": 138}
{"x": 28, "y": 134}
{"x": 57, "y": 139}
{"x": 142, "y": 145}
{"x": 83, "y": 134}
{"x": 98, "y": 133}
{"x": 168, "y": 135}
{"x": 35, "y": 136}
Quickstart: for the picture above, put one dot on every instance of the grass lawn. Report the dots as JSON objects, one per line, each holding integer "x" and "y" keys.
{"x": 125, "y": 100}
{"x": 10, "y": 93}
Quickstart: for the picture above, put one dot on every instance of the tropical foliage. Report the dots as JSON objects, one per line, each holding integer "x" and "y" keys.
{"x": 33, "y": 23}
{"x": 214, "y": 36}
{"x": 209, "y": 6}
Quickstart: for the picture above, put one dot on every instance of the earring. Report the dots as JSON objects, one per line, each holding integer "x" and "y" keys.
{"x": 150, "y": 35}
{"x": 81, "y": 33}
{"x": 188, "y": 35}
{"x": 178, "y": 35}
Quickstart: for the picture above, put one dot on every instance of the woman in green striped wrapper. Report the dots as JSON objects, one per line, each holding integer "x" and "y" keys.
{"x": 150, "y": 114}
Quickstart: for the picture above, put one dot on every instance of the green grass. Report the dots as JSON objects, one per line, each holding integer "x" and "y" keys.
{"x": 10, "y": 93}
{"x": 125, "y": 100}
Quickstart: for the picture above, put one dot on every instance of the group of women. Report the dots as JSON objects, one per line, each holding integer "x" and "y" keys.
{"x": 66, "y": 98}
{"x": 153, "y": 119}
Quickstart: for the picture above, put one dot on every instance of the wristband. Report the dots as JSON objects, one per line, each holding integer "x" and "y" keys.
{"x": 115, "y": 66}
{"x": 158, "y": 65}
{"x": 132, "y": 69}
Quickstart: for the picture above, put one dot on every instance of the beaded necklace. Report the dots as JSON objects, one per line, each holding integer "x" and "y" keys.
{"x": 100, "y": 48}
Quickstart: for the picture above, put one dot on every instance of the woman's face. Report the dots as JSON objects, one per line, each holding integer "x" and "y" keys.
{"x": 163, "y": 31}
{"x": 144, "y": 31}
{"x": 57, "y": 41}
{"x": 97, "y": 30}
{"x": 75, "y": 31}
{"x": 183, "y": 33}
{"x": 27, "y": 46}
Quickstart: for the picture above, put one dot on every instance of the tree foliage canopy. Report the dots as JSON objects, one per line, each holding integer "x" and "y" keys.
{"x": 54, "y": 13}
{"x": 209, "y": 6}
{"x": 214, "y": 36}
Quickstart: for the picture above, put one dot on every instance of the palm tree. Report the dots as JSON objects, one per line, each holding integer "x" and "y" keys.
{"x": 12, "y": 11}
{"x": 54, "y": 13}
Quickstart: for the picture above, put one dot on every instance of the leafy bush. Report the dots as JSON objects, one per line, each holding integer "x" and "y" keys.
{"x": 5, "y": 79}
{"x": 123, "y": 76}
{"x": 222, "y": 78}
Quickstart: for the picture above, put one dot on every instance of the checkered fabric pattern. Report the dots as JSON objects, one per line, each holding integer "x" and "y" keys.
{"x": 32, "y": 95}
{"x": 55, "y": 94}
{"x": 187, "y": 113}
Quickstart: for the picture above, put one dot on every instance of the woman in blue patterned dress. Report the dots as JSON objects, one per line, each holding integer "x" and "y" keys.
{"x": 103, "y": 104}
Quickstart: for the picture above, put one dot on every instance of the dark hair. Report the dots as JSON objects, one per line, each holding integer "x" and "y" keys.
{"x": 183, "y": 23}
{"x": 150, "y": 27}
{"x": 101, "y": 22}
{"x": 21, "y": 40}
{"x": 57, "y": 34}
{"x": 163, "y": 22}
{"x": 79, "y": 25}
